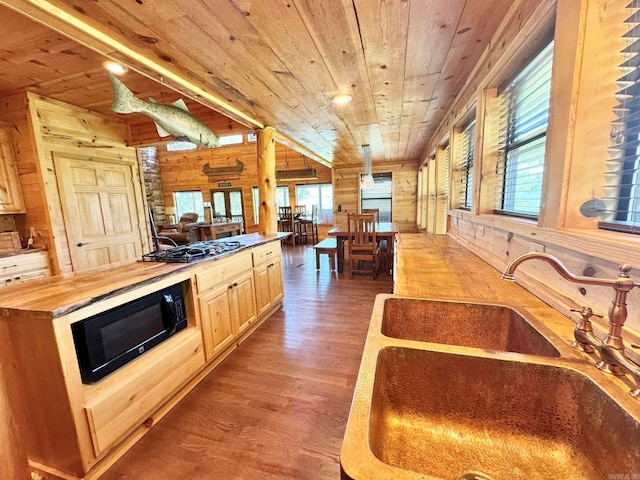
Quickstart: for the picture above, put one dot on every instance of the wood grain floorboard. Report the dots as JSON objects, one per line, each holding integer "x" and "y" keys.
{"x": 277, "y": 407}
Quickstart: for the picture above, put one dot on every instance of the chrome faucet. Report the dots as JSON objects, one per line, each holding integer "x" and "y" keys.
{"x": 611, "y": 349}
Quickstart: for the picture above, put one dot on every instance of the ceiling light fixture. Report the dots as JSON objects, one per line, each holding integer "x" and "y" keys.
{"x": 342, "y": 99}
{"x": 366, "y": 179}
{"x": 114, "y": 67}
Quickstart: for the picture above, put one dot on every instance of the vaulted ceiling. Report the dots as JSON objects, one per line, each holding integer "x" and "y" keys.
{"x": 263, "y": 62}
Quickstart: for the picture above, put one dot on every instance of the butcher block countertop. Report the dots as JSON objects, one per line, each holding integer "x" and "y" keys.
{"x": 62, "y": 294}
{"x": 438, "y": 267}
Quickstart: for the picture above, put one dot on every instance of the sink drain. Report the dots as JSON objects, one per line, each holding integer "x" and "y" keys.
{"x": 474, "y": 476}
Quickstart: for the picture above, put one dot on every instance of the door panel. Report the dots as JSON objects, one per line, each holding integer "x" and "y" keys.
{"x": 99, "y": 208}
{"x": 228, "y": 203}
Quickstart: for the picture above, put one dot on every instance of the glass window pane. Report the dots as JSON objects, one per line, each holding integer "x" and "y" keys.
{"x": 230, "y": 140}
{"x": 282, "y": 200}
{"x": 219, "y": 208}
{"x": 235, "y": 201}
{"x": 379, "y": 196}
{"x": 190, "y": 201}
{"x": 320, "y": 194}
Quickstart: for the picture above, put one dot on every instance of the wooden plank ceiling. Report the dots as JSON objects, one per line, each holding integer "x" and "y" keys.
{"x": 276, "y": 62}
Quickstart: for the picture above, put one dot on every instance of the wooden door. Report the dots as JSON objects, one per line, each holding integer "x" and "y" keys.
{"x": 100, "y": 211}
{"x": 217, "y": 323}
{"x": 227, "y": 203}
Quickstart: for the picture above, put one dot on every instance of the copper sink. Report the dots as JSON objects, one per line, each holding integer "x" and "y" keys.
{"x": 441, "y": 395}
{"x": 478, "y": 325}
{"x": 446, "y": 415}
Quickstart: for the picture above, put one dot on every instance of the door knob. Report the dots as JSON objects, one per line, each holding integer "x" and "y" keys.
{"x": 80, "y": 244}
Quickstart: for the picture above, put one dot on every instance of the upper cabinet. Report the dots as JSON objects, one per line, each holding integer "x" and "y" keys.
{"x": 10, "y": 192}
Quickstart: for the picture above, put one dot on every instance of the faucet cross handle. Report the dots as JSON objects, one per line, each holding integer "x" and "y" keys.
{"x": 586, "y": 313}
{"x": 583, "y": 333}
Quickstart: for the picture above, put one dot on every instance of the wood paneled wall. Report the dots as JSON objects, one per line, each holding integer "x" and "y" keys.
{"x": 346, "y": 193}
{"x": 47, "y": 126}
{"x": 585, "y": 69}
{"x": 182, "y": 171}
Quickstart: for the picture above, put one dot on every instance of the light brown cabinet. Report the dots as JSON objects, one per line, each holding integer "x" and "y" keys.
{"x": 226, "y": 302}
{"x": 10, "y": 192}
{"x": 267, "y": 273}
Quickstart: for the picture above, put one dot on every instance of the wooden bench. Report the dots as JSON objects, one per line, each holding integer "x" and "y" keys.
{"x": 329, "y": 247}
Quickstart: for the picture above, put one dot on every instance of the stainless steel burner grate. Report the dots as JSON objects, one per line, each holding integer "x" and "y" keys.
{"x": 192, "y": 252}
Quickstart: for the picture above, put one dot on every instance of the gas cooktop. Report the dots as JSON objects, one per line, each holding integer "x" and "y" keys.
{"x": 192, "y": 252}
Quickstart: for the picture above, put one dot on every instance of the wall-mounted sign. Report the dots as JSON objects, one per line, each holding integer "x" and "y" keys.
{"x": 224, "y": 184}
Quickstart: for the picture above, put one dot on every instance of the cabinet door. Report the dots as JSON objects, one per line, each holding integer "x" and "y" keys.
{"x": 263, "y": 297}
{"x": 244, "y": 293}
{"x": 276, "y": 289}
{"x": 218, "y": 326}
{"x": 10, "y": 192}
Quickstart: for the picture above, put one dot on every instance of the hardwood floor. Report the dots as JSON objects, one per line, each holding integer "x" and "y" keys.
{"x": 277, "y": 407}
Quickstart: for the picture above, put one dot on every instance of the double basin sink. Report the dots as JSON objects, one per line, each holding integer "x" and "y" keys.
{"x": 473, "y": 391}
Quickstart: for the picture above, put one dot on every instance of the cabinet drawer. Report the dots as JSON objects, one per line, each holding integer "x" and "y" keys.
{"x": 266, "y": 252}
{"x": 222, "y": 271}
{"x": 25, "y": 262}
{"x": 129, "y": 404}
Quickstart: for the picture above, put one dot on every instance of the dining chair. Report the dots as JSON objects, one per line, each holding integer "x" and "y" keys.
{"x": 376, "y": 211}
{"x": 363, "y": 245}
{"x": 286, "y": 222}
{"x": 386, "y": 255}
{"x": 299, "y": 211}
{"x": 309, "y": 226}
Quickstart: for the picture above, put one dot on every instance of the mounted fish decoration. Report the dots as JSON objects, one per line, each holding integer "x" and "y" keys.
{"x": 173, "y": 119}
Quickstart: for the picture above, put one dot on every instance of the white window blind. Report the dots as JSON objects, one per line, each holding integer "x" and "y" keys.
{"x": 621, "y": 200}
{"x": 466, "y": 164}
{"x": 443, "y": 191}
{"x": 525, "y": 103}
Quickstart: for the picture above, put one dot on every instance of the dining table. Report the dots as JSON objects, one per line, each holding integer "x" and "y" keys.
{"x": 384, "y": 231}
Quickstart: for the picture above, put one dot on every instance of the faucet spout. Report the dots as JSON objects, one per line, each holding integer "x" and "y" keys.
{"x": 558, "y": 266}
{"x": 614, "y": 359}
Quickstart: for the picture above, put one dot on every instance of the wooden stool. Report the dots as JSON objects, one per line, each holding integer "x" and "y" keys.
{"x": 328, "y": 246}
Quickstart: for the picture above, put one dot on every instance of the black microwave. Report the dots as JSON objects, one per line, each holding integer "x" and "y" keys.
{"x": 109, "y": 340}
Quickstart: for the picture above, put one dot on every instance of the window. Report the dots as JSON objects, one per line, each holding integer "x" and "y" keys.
{"x": 179, "y": 146}
{"x": 621, "y": 202}
{"x": 466, "y": 164}
{"x": 190, "y": 201}
{"x": 252, "y": 137}
{"x": 282, "y": 200}
{"x": 231, "y": 139}
{"x": 378, "y": 196}
{"x": 525, "y": 99}
{"x": 320, "y": 194}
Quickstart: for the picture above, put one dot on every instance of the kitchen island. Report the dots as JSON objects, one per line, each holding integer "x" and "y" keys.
{"x": 77, "y": 430}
